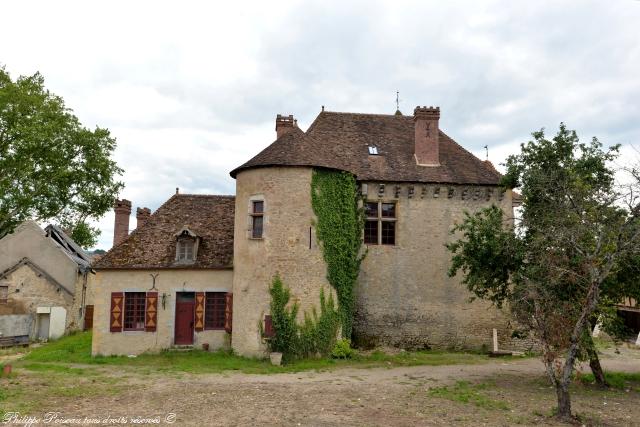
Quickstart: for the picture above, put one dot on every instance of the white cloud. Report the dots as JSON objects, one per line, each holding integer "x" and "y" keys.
{"x": 190, "y": 89}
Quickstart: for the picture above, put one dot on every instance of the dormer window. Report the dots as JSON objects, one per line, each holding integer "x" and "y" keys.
{"x": 185, "y": 249}
{"x": 373, "y": 150}
{"x": 186, "y": 246}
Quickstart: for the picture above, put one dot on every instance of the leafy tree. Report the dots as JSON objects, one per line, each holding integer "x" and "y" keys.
{"x": 576, "y": 232}
{"x": 53, "y": 168}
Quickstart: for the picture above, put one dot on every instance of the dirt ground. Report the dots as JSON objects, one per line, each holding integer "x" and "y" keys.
{"x": 359, "y": 397}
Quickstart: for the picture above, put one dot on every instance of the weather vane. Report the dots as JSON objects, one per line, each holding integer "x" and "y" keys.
{"x": 486, "y": 147}
{"x": 398, "y": 100}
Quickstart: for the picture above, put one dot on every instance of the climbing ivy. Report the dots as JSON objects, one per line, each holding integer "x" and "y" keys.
{"x": 340, "y": 221}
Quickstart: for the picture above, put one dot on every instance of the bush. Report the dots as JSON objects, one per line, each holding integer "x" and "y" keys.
{"x": 316, "y": 336}
{"x": 342, "y": 350}
{"x": 284, "y": 320}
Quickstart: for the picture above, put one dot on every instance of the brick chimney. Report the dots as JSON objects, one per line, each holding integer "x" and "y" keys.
{"x": 122, "y": 208}
{"x": 427, "y": 149}
{"x": 142, "y": 215}
{"x": 284, "y": 124}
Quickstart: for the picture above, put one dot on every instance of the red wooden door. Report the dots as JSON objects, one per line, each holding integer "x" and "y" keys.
{"x": 184, "y": 320}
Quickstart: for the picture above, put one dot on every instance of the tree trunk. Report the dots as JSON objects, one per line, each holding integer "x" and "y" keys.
{"x": 596, "y": 368}
{"x": 564, "y": 402}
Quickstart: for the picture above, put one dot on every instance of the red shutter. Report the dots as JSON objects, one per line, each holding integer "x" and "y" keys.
{"x": 228, "y": 311}
{"x": 268, "y": 326}
{"x": 151, "y": 314}
{"x": 117, "y": 303}
{"x": 199, "y": 324}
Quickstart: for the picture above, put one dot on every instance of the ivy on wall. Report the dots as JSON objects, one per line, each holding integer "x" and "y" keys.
{"x": 340, "y": 221}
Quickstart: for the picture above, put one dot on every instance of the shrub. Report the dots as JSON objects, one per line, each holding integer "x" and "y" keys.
{"x": 316, "y": 336}
{"x": 342, "y": 350}
{"x": 284, "y": 320}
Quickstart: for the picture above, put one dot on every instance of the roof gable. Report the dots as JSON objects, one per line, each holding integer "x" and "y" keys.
{"x": 153, "y": 245}
{"x": 342, "y": 140}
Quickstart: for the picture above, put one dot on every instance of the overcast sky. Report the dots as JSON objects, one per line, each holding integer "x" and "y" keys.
{"x": 191, "y": 89}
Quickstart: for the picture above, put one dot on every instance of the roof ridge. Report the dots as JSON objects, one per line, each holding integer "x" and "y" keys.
{"x": 204, "y": 195}
{"x": 394, "y": 116}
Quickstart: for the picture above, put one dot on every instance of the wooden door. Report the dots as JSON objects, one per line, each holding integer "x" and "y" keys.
{"x": 185, "y": 305}
{"x": 88, "y": 317}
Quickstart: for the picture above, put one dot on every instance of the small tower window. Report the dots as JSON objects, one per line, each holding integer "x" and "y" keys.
{"x": 373, "y": 150}
{"x": 257, "y": 219}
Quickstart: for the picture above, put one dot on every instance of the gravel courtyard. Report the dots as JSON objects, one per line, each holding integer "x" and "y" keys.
{"x": 493, "y": 393}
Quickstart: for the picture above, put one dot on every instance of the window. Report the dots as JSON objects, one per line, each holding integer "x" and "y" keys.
{"x": 186, "y": 246}
{"x": 185, "y": 249}
{"x": 214, "y": 312}
{"x": 380, "y": 226}
{"x": 257, "y": 219}
{"x": 4, "y": 294}
{"x": 134, "y": 311}
{"x": 373, "y": 150}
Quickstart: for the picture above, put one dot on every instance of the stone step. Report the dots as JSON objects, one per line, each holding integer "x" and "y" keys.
{"x": 181, "y": 348}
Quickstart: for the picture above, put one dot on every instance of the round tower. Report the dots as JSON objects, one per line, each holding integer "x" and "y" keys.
{"x": 274, "y": 234}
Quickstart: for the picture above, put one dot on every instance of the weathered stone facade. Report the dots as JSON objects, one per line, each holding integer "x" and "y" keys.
{"x": 405, "y": 297}
{"x": 168, "y": 283}
{"x": 42, "y": 280}
{"x": 288, "y": 248}
{"x": 28, "y": 291}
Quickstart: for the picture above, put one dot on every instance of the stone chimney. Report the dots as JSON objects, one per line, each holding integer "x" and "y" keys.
{"x": 427, "y": 149}
{"x": 122, "y": 208}
{"x": 142, "y": 215}
{"x": 284, "y": 124}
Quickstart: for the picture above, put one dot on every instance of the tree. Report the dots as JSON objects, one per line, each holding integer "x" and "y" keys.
{"x": 53, "y": 168}
{"x": 577, "y": 229}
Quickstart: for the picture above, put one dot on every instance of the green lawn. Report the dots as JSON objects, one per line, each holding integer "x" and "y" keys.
{"x": 75, "y": 350}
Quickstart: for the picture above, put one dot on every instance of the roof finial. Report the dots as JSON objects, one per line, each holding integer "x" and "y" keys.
{"x": 486, "y": 147}
{"x": 398, "y": 113}
{"x": 177, "y": 190}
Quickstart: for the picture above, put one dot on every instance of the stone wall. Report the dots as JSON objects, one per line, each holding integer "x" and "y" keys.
{"x": 404, "y": 295}
{"x": 29, "y": 241}
{"x": 288, "y": 248}
{"x": 29, "y": 290}
{"x": 168, "y": 283}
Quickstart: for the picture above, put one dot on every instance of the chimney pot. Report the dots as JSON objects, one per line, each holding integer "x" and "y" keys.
{"x": 284, "y": 124}
{"x": 122, "y": 209}
{"x": 142, "y": 215}
{"x": 427, "y": 140}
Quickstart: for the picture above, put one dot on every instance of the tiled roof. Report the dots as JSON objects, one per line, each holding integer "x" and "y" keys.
{"x": 154, "y": 244}
{"x": 341, "y": 141}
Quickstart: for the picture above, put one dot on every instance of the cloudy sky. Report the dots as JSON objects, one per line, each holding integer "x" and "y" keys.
{"x": 191, "y": 89}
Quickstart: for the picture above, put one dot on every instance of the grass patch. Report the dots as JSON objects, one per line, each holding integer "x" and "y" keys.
{"x": 76, "y": 349}
{"x": 46, "y": 367}
{"x": 464, "y": 392}
{"x": 617, "y": 380}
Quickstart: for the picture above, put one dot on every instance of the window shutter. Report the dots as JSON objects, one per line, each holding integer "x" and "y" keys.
{"x": 117, "y": 303}
{"x": 151, "y": 312}
{"x": 199, "y": 324}
{"x": 228, "y": 312}
{"x": 268, "y": 326}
